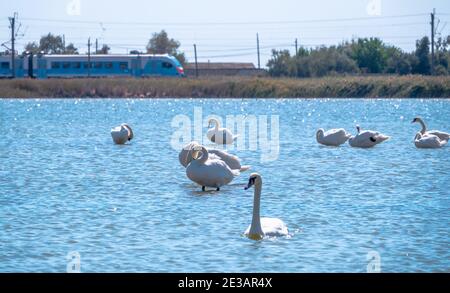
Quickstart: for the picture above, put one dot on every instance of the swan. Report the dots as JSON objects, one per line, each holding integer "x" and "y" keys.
{"x": 366, "y": 139}
{"x": 219, "y": 135}
{"x": 429, "y": 141}
{"x": 185, "y": 157}
{"x": 121, "y": 134}
{"x": 261, "y": 227}
{"x": 424, "y": 132}
{"x": 206, "y": 171}
{"x": 333, "y": 137}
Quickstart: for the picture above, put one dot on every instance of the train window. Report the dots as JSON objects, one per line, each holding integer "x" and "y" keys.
{"x": 98, "y": 65}
{"x": 167, "y": 65}
{"x": 66, "y": 64}
{"x": 123, "y": 65}
{"x": 5, "y": 65}
{"x": 108, "y": 65}
{"x": 85, "y": 64}
{"x": 76, "y": 65}
{"x": 55, "y": 65}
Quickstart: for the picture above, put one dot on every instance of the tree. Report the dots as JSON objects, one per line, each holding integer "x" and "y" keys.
{"x": 161, "y": 44}
{"x": 442, "y": 56}
{"x": 280, "y": 63}
{"x": 51, "y": 44}
{"x": 135, "y": 52}
{"x": 104, "y": 50}
{"x": 330, "y": 61}
{"x": 70, "y": 49}
{"x": 32, "y": 47}
{"x": 422, "y": 53}
{"x": 397, "y": 62}
{"x": 369, "y": 54}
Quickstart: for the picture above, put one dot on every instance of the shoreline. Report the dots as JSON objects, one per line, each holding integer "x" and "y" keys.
{"x": 231, "y": 87}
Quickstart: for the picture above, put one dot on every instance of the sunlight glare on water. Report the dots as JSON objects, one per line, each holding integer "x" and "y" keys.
{"x": 64, "y": 186}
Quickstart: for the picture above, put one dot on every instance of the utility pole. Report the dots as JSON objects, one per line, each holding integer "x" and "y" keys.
{"x": 196, "y": 64}
{"x": 433, "y": 14}
{"x": 12, "y": 21}
{"x": 89, "y": 57}
{"x": 64, "y": 42}
{"x": 96, "y": 46}
{"x": 257, "y": 49}
{"x": 296, "y": 55}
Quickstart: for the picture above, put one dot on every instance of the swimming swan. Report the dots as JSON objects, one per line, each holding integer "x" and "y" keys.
{"x": 185, "y": 157}
{"x": 261, "y": 227}
{"x": 219, "y": 135}
{"x": 121, "y": 134}
{"x": 367, "y": 138}
{"x": 424, "y": 132}
{"x": 206, "y": 171}
{"x": 333, "y": 137}
{"x": 429, "y": 141}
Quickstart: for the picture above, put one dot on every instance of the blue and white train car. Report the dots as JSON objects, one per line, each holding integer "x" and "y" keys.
{"x": 6, "y": 66}
{"x": 70, "y": 66}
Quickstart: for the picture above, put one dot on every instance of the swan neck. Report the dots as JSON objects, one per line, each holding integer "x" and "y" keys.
{"x": 256, "y": 220}
{"x": 204, "y": 156}
{"x": 424, "y": 127}
{"x": 319, "y": 134}
{"x": 418, "y": 137}
{"x": 130, "y": 132}
{"x": 216, "y": 123}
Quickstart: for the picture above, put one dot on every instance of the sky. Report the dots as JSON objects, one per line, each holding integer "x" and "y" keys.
{"x": 224, "y": 31}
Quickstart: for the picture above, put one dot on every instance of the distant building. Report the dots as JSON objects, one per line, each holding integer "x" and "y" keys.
{"x": 223, "y": 69}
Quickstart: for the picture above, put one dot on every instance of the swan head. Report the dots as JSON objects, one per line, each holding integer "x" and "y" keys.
{"x": 185, "y": 156}
{"x": 416, "y": 120}
{"x": 130, "y": 131}
{"x": 213, "y": 121}
{"x": 197, "y": 151}
{"x": 320, "y": 132}
{"x": 254, "y": 179}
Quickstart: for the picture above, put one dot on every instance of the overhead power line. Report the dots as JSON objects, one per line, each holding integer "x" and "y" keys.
{"x": 227, "y": 23}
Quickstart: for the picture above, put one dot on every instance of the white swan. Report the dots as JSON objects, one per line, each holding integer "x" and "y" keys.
{"x": 207, "y": 171}
{"x": 219, "y": 135}
{"x": 428, "y": 141}
{"x": 424, "y": 132}
{"x": 367, "y": 138}
{"x": 333, "y": 137}
{"x": 121, "y": 134}
{"x": 261, "y": 227}
{"x": 185, "y": 157}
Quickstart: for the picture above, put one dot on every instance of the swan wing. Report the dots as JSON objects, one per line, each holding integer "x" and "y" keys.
{"x": 231, "y": 160}
{"x": 274, "y": 227}
{"x": 221, "y": 136}
{"x": 335, "y": 137}
{"x": 213, "y": 173}
{"x": 442, "y": 135}
{"x": 430, "y": 142}
{"x": 367, "y": 139}
{"x": 119, "y": 134}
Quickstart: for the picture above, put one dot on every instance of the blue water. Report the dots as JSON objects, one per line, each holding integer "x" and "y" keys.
{"x": 64, "y": 186}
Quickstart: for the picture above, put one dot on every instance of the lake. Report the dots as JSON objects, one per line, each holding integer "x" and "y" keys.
{"x": 65, "y": 187}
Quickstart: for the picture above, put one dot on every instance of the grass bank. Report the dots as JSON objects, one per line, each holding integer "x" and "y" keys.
{"x": 232, "y": 87}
